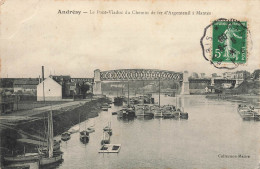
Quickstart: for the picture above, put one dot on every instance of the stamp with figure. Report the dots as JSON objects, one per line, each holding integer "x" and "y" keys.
{"x": 225, "y": 43}
{"x": 229, "y": 41}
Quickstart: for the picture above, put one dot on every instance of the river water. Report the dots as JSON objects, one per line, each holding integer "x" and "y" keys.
{"x": 214, "y": 129}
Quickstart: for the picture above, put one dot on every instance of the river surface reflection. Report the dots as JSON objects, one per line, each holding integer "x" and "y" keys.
{"x": 214, "y": 129}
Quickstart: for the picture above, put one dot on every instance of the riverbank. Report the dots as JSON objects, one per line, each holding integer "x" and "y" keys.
{"x": 63, "y": 119}
{"x": 250, "y": 99}
{"x": 28, "y": 105}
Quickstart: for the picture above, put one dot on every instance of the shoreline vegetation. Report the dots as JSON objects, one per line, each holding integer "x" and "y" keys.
{"x": 252, "y": 99}
{"x": 29, "y": 134}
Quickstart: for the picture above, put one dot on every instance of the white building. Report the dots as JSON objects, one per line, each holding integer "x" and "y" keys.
{"x": 226, "y": 85}
{"x": 229, "y": 75}
{"x": 210, "y": 89}
{"x": 52, "y": 90}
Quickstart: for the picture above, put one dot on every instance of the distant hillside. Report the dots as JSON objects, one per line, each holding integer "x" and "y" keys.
{"x": 247, "y": 87}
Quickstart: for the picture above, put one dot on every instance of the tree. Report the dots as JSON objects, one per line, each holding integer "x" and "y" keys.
{"x": 214, "y": 75}
{"x": 256, "y": 74}
{"x": 83, "y": 89}
{"x": 194, "y": 75}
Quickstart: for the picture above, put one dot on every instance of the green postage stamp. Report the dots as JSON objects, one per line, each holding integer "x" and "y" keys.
{"x": 229, "y": 42}
{"x": 226, "y": 43}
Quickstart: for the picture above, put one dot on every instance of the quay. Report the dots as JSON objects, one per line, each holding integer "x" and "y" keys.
{"x": 22, "y": 115}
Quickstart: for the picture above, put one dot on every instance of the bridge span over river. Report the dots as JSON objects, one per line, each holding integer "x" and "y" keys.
{"x": 139, "y": 75}
{"x": 154, "y": 75}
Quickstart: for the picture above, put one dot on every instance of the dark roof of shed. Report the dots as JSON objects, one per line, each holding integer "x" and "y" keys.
{"x": 26, "y": 81}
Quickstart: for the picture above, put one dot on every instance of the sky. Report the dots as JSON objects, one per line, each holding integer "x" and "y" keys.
{"x": 33, "y": 34}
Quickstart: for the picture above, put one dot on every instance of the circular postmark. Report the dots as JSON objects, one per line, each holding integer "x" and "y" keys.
{"x": 226, "y": 43}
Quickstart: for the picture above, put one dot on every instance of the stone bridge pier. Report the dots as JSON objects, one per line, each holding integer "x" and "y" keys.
{"x": 238, "y": 82}
{"x": 97, "y": 83}
{"x": 185, "y": 90}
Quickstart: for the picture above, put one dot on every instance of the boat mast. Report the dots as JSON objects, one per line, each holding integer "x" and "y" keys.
{"x": 160, "y": 96}
{"x": 50, "y": 134}
{"x": 116, "y": 89}
{"x": 109, "y": 130}
{"x": 85, "y": 121}
{"x": 43, "y": 94}
{"x": 173, "y": 93}
{"x": 159, "y": 92}
{"x": 122, "y": 90}
{"x": 79, "y": 121}
{"x": 103, "y": 137}
{"x": 143, "y": 96}
{"x": 24, "y": 150}
{"x": 176, "y": 102}
{"x": 128, "y": 93}
{"x": 143, "y": 92}
{"x": 50, "y": 142}
{"x": 45, "y": 133}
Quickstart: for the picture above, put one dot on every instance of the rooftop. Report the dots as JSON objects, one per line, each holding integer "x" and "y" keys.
{"x": 26, "y": 81}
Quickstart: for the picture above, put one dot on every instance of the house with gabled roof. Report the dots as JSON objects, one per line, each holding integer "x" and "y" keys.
{"x": 50, "y": 90}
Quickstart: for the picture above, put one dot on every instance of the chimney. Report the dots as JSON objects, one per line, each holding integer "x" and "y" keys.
{"x": 42, "y": 73}
{"x": 39, "y": 79}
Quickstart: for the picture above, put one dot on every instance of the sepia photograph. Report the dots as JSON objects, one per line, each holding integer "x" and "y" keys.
{"x": 134, "y": 84}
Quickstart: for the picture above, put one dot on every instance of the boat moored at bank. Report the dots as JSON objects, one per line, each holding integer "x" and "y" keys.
{"x": 84, "y": 136}
{"x": 22, "y": 158}
{"x": 143, "y": 110}
{"x": 157, "y": 111}
{"x": 65, "y": 136}
{"x": 50, "y": 156}
{"x": 248, "y": 113}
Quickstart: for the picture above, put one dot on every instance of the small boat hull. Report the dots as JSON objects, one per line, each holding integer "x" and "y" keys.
{"x": 22, "y": 158}
{"x": 168, "y": 116}
{"x": 184, "y": 115}
{"x": 105, "y": 109}
{"x": 145, "y": 115}
{"x": 110, "y": 148}
{"x": 90, "y": 130}
{"x": 158, "y": 116}
{"x": 247, "y": 114}
{"x": 105, "y": 142}
{"x": 55, "y": 148}
{"x": 114, "y": 113}
{"x": 118, "y": 101}
{"x": 84, "y": 136}
{"x": 84, "y": 139}
{"x": 72, "y": 131}
{"x": 108, "y": 130}
{"x": 65, "y": 136}
{"x": 48, "y": 161}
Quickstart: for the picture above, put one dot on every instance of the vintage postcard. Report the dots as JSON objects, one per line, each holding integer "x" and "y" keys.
{"x": 129, "y": 84}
